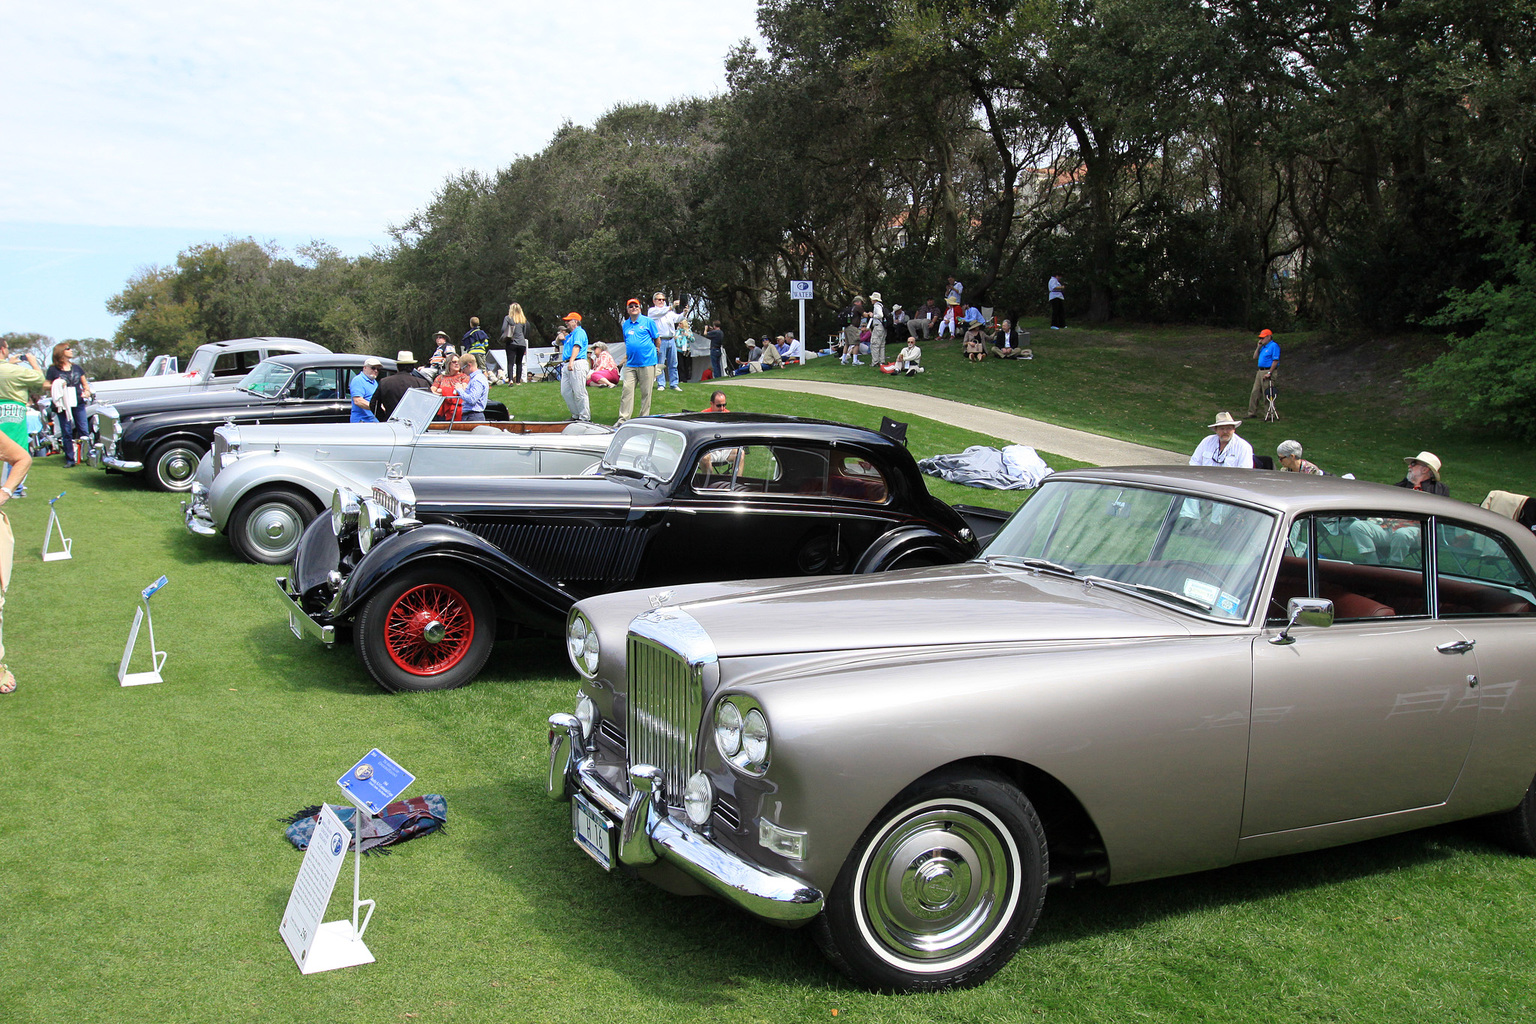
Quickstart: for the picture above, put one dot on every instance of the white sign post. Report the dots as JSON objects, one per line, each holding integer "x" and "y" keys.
{"x": 371, "y": 785}
{"x": 156, "y": 658}
{"x": 802, "y": 290}
{"x": 53, "y": 523}
{"x": 320, "y": 947}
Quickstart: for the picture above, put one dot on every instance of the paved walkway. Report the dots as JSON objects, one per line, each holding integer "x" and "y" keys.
{"x": 1094, "y": 449}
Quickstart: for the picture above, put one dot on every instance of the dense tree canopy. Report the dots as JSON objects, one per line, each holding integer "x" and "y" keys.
{"x": 1240, "y": 162}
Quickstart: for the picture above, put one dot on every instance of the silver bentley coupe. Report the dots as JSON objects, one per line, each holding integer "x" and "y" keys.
{"x": 1148, "y": 671}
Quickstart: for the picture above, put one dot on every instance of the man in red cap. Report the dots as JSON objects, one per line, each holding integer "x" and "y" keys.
{"x": 573, "y": 374}
{"x": 1267, "y": 352}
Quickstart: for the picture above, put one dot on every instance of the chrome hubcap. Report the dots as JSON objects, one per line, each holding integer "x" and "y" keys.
{"x": 433, "y": 632}
{"x": 274, "y": 528}
{"x": 938, "y": 885}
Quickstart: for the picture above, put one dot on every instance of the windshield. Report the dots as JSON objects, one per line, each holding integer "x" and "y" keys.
{"x": 267, "y": 379}
{"x": 644, "y": 449}
{"x": 416, "y": 409}
{"x": 1192, "y": 552}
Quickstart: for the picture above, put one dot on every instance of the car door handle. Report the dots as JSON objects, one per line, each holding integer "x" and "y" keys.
{"x": 1456, "y": 646}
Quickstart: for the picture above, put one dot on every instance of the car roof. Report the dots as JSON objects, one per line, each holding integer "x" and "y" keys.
{"x": 299, "y": 360}
{"x": 298, "y": 344}
{"x": 703, "y": 425}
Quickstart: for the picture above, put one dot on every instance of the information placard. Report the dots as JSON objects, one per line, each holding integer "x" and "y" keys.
{"x": 375, "y": 782}
{"x": 801, "y": 290}
{"x": 312, "y": 890}
{"x": 54, "y": 525}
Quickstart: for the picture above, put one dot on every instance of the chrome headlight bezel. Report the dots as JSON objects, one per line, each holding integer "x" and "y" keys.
{"x": 746, "y": 746}
{"x": 581, "y": 644}
{"x": 345, "y": 506}
{"x": 373, "y": 524}
{"x": 586, "y": 714}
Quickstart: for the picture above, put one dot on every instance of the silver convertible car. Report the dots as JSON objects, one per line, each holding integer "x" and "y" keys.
{"x": 1149, "y": 671}
{"x": 262, "y": 485}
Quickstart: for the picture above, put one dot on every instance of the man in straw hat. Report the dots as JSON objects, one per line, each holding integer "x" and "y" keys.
{"x": 1398, "y": 541}
{"x": 1424, "y": 474}
{"x": 1223, "y": 447}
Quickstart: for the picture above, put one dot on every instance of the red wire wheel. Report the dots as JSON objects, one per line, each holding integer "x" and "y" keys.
{"x": 416, "y": 632}
{"x": 429, "y": 629}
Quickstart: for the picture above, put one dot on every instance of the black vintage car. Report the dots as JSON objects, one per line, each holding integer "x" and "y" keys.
{"x": 424, "y": 570}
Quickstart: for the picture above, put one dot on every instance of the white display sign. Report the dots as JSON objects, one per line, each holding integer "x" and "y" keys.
{"x": 141, "y": 616}
{"x": 315, "y": 946}
{"x": 801, "y": 290}
{"x": 54, "y": 524}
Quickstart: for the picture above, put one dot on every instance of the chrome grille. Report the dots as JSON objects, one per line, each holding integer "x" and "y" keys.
{"x": 666, "y": 700}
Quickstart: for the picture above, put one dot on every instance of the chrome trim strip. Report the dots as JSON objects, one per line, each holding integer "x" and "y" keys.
{"x": 677, "y": 630}
{"x": 299, "y": 621}
{"x": 126, "y": 466}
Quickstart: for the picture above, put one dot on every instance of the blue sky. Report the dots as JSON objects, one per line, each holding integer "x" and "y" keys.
{"x": 134, "y": 133}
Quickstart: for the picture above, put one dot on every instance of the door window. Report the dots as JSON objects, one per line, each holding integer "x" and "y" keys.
{"x": 1370, "y": 567}
{"x": 1476, "y": 575}
{"x": 320, "y": 384}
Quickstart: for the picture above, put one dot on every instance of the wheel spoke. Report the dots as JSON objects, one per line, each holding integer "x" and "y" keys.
{"x": 407, "y": 619}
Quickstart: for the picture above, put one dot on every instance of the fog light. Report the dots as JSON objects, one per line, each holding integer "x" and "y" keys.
{"x": 699, "y": 798}
{"x": 782, "y": 841}
{"x": 586, "y": 714}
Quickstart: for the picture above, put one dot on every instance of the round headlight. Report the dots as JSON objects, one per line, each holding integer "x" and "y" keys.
{"x": 728, "y": 729}
{"x": 586, "y": 714}
{"x": 754, "y": 740}
{"x": 581, "y": 644}
{"x": 698, "y": 798}
{"x": 372, "y": 523}
{"x": 344, "y": 509}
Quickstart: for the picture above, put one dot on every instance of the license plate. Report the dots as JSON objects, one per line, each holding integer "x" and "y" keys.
{"x": 592, "y": 830}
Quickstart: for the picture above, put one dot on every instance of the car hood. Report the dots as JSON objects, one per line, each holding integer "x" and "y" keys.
{"x": 544, "y": 494}
{"x": 263, "y": 437}
{"x": 970, "y": 603}
{"x": 183, "y": 401}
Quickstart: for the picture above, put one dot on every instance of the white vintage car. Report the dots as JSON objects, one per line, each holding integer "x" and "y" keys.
{"x": 262, "y": 485}
{"x": 216, "y": 366}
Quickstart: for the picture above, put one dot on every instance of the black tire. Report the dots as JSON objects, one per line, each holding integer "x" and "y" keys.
{"x": 392, "y": 638}
{"x": 172, "y": 465}
{"x": 266, "y": 526}
{"x": 963, "y": 856}
{"x": 1516, "y": 828}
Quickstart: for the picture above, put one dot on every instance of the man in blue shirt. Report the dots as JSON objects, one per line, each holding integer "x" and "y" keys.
{"x": 575, "y": 368}
{"x": 362, "y": 388}
{"x": 640, "y": 341}
{"x": 476, "y": 392}
{"x": 1267, "y": 352}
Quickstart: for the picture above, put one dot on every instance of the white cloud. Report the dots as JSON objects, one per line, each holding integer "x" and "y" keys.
{"x": 325, "y": 119}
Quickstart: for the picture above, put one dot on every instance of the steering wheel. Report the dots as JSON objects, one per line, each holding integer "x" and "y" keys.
{"x": 1189, "y": 568}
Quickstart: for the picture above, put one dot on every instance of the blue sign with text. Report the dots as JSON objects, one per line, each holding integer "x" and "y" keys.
{"x": 149, "y": 591}
{"x": 375, "y": 782}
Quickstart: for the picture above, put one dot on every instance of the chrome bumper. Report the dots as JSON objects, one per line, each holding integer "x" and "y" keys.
{"x": 300, "y": 622}
{"x": 99, "y": 458}
{"x": 199, "y": 518}
{"x": 648, "y": 834}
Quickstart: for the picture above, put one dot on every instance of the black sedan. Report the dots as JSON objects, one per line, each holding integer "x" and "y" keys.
{"x": 425, "y": 569}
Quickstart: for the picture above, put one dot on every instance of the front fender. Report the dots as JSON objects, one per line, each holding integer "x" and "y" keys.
{"x": 520, "y": 593}
{"x": 258, "y": 470}
{"x": 903, "y": 539}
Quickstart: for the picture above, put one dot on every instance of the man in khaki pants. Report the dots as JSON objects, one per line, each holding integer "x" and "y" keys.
{"x": 1267, "y": 352}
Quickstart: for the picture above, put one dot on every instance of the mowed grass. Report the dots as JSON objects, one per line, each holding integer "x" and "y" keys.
{"x": 143, "y": 869}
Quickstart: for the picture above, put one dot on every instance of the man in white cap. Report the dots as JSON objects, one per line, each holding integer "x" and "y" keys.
{"x": 362, "y": 388}
{"x": 876, "y": 330}
{"x": 1223, "y": 447}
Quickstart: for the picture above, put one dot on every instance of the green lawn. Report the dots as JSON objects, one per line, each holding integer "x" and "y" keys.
{"x": 144, "y": 869}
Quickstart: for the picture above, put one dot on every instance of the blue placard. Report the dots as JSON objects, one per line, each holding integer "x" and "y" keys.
{"x": 149, "y": 591}
{"x": 375, "y": 782}
{"x": 61, "y": 494}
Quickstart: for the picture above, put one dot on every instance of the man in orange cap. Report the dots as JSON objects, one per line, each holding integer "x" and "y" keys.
{"x": 1267, "y": 352}
{"x": 575, "y": 368}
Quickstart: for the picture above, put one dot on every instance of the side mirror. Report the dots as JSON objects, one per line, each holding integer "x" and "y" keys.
{"x": 1304, "y": 611}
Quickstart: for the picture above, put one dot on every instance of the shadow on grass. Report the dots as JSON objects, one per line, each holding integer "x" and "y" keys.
{"x": 691, "y": 950}
{"x": 1094, "y": 910}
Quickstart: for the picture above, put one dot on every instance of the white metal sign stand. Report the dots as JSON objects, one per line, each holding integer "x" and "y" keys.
{"x": 53, "y": 522}
{"x": 802, "y": 290}
{"x": 320, "y": 947}
{"x": 371, "y": 785}
{"x": 156, "y": 658}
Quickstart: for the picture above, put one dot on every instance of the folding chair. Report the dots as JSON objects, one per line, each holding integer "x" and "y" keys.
{"x": 894, "y": 430}
{"x": 1270, "y": 394}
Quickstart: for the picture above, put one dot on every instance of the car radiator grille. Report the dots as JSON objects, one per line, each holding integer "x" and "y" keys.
{"x": 666, "y": 700}
{"x": 569, "y": 552}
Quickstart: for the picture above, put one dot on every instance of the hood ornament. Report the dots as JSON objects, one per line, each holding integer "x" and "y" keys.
{"x": 394, "y": 471}
{"x": 661, "y": 598}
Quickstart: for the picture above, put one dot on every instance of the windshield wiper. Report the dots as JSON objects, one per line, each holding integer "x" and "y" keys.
{"x": 1033, "y": 563}
{"x": 1147, "y": 588}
